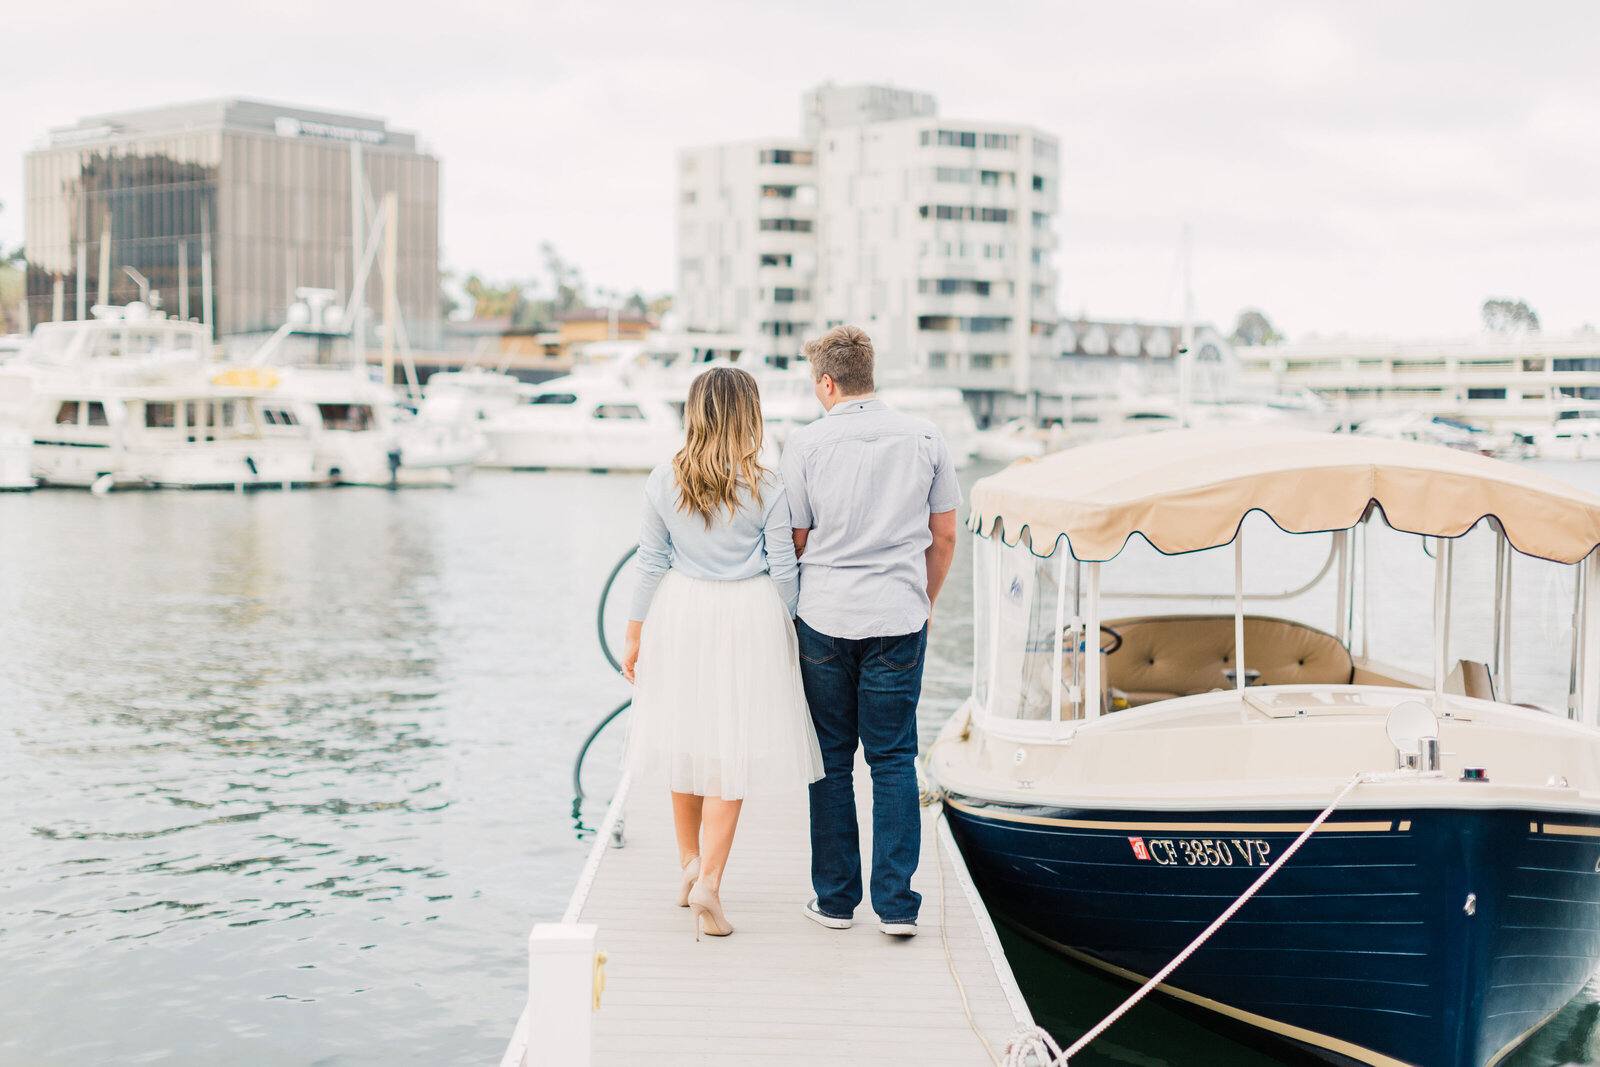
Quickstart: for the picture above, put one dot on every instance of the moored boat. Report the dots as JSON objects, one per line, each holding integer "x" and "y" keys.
{"x": 1113, "y": 804}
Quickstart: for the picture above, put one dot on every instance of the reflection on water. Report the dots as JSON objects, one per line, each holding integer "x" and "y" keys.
{"x": 287, "y": 776}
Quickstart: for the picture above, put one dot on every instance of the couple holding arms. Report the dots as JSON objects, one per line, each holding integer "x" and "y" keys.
{"x": 781, "y": 621}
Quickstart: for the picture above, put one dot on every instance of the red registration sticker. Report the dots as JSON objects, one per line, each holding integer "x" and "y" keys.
{"x": 1139, "y": 851}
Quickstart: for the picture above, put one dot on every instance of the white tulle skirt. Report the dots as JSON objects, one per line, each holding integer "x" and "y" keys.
{"x": 718, "y": 707}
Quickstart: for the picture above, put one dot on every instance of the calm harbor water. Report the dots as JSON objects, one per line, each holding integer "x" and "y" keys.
{"x": 287, "y": 776}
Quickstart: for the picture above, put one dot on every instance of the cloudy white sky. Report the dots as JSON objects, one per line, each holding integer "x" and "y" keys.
{"x": 1348, "y": 167}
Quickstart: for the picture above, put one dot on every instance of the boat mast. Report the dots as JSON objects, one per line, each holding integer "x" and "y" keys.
{"x": 1186, "y": 347}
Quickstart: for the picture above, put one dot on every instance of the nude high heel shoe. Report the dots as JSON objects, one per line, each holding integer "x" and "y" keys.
{"x": 707, "y": 911}
{"x": 691, "y": 874}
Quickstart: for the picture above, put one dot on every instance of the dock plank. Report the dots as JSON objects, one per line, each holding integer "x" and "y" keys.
{"x": 781, "y": 989}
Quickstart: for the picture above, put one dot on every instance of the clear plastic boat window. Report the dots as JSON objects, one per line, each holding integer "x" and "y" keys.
{"x": 1023, "y": 596}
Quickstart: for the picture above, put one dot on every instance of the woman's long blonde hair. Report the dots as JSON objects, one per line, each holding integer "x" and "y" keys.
{"x": 723, "y": 434}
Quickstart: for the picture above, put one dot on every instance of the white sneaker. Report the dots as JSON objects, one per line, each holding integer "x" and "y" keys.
{"x": 815, "y": 915}
{"x": 899, "y": 929}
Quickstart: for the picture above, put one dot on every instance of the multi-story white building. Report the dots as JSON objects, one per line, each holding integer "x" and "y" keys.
{"x": 747, "y": 257}
{"x": 935, "y": 236}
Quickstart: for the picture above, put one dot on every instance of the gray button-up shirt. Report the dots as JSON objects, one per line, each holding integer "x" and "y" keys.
{"x": 864, "y": 480}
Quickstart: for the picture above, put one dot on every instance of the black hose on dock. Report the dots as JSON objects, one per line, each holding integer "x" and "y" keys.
{"x": 605, "y": 647}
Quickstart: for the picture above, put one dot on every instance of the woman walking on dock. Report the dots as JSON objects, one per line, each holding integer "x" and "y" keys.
{"x": 718, "y": 709}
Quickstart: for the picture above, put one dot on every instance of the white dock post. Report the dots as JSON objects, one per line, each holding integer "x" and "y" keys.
{"x": 561, "y": 966}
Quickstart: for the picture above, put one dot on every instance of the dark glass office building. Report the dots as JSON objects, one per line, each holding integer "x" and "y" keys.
{"x": 225, "y": 208}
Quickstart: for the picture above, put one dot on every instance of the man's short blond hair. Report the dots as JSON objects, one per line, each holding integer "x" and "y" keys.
{"x": 844, "y": 354}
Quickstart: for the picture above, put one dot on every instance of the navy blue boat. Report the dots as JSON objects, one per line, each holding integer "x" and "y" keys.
{"x": 1403, "y": 936}
{"x": 1113, "y": 803}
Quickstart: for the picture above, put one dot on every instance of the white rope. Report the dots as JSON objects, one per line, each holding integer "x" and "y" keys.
{"x": 944, "y": 938}
{"x": 1030, "y": 1049}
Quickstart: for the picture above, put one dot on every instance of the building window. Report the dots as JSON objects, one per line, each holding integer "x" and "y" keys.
{"x": 270, "y": 416}
{"x": 1039, "y": 183}
{"x": 964, "y": 213}
{"x": 1586, "y": 366}
{"x": 787, "y": 225}
{"x": 777, "y": 259}
{"x": 998, "y": 177}
{"x": 950, "y": 138}
{"x": 783, "y": 329}
{"x": 963, "y": 324}
{"x": 1532, "y": 366}
{"x": 1580, "y": 392}
{"x": 958, "y": 175}
{"x": 1041, "y": 221}
{"x": 1041, "y": 329}
{"x": 1004, "y": 141}
{"x": 952, "y": 286}
{"x": 938, "y": 360}
{"x": 1041, "y": 257}
{"x": 1044, "y": 149}
{"x": 1486, "y": 394}
{"x": 994, "y": 251}
{"x": 785, "y": 192}
{"x": 786, "y": 295}
{"x": 793, "y": 156}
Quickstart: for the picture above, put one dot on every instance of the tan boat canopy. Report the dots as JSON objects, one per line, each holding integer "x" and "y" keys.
{"x": 1188, "y": 490}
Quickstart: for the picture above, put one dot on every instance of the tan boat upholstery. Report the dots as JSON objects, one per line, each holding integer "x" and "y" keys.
{"x": 1175, "y": 655}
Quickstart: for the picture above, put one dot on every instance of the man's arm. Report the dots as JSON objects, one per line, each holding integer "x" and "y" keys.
{"x": 800, "y": 542}
{"x": 942, "y": 524}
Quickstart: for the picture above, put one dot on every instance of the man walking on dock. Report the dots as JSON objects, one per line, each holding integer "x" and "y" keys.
{"x": 873, "y": 496}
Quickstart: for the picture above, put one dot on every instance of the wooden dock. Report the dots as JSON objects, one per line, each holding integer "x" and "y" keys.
{"x": 781, "y": 989}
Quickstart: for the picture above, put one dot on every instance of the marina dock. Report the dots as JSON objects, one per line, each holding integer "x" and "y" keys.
{"x": 781, "y": 989}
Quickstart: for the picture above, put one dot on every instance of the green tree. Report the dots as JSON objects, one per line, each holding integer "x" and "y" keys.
{"x": 1503, "y": 315}
{"x": 1254, "y": 329}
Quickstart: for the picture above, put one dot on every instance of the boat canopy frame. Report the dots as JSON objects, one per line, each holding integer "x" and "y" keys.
{"x": 1070, "y": 701}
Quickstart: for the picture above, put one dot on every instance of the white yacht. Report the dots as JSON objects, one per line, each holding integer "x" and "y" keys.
{"x": 946, "y": 409}
{"x": 131, "y": 399}
{"x": 471, "y": 395}
{"x": 1575, "y": 434}
{"x": 584, "y": 421}
{"x": 363, "y": 437}
{"x": 1016, "y": 439}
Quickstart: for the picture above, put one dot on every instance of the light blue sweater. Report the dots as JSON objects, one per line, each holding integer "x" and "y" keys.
{"x": 757, "y": 539}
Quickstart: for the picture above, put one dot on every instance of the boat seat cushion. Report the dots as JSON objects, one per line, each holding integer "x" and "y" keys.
{"x": 1176, "y": 655}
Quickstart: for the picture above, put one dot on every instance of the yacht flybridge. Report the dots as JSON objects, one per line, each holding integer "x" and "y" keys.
{"x": 1414, "y": 639}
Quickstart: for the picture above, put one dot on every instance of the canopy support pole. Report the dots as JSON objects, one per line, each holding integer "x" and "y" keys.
{"x": 1589, "y": 706}
{"x": 993, "y": 593}
{"x": 1501, "y": 665}
{"x": 1091, "y": 647}
{"x": 1061, "y": 638}
{"x": 1341, "y": 540}
{"x": 1238, "y": 611}
{"x": 1442, "y": 558}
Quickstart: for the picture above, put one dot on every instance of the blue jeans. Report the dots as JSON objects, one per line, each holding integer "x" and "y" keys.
{"x": 865, "y": 690}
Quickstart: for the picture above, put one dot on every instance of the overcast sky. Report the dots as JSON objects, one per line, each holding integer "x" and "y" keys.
{"x": 1347, "y": 167}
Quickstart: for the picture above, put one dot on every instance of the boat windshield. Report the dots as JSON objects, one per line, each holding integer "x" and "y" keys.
{"x": 1326, "y": 608}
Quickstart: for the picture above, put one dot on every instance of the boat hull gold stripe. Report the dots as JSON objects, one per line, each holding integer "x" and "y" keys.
{"x": 1261, "y": 1022}
{"x": 1571, "y": 831}
{"x": 1375, "y": 827}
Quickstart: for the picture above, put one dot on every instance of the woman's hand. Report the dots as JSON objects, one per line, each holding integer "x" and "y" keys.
{"x": 630, "y": 650}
